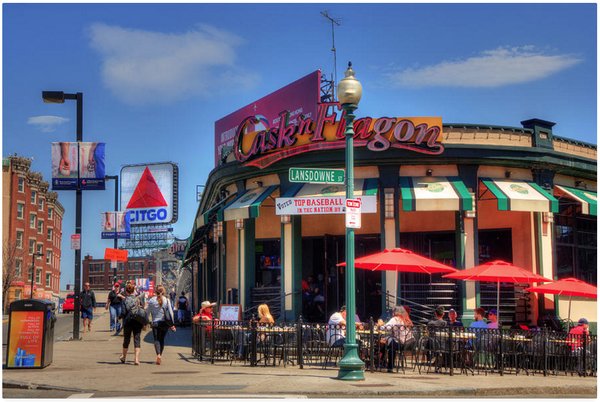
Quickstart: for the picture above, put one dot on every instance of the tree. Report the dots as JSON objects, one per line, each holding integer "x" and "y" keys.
{"x": 174, "y": 276}
{"x": 10, "y": 254}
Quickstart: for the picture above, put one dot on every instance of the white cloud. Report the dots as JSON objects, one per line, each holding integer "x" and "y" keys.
{"x": 47, "y": 124}
{"x": 154, "y": 67}
{"x": 492, "y": 68}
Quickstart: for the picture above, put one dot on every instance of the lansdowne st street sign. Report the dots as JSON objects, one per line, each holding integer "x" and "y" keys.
{"x": 315, "y": 175}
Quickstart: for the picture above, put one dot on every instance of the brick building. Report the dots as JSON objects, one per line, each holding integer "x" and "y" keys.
{"x": 32, "y": 224}
{"x": 101, "y": 276}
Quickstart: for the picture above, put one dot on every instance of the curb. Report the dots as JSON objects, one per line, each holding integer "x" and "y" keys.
{"x": 25, "y": 385}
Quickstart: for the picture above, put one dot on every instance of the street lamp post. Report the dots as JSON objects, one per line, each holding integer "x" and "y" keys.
{"x": 116, "y": 240}
{"x": 59, "y": 97}
{"x": 33, "y": 271}
{"x": 349, "y": 94}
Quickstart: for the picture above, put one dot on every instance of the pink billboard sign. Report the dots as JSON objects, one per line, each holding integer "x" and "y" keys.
{"x": 298, "y": 98}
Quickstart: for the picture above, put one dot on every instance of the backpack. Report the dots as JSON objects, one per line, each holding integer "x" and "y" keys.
{"x": 134, "y": 311}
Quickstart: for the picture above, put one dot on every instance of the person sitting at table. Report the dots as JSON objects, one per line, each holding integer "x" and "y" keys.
{"x": 264, "y": 315}
{"x": 401, "y": 337}
{"x": 493, "y": 317}
{"x": 438, "y": 321}
{"x": 576, "y": 334}
{"x": 479, "y": 321}
{"x": 206, "y": 312}
{"x": 453, "y": 319}
{"x": 336, "y": 332}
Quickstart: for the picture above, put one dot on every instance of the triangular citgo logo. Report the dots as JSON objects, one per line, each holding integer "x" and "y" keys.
{"x": 147, "y": 194}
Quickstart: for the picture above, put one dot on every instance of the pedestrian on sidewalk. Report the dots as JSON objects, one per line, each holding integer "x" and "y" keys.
{"x": 114, "y": 304}
{"x": 159, "y": 307}
{"x": 88, "y": 305}
{"x": 130, "y": 325}
{"x": 182, "y": 306}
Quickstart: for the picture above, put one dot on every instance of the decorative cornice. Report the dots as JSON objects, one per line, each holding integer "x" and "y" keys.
{"x": 20, "y": 163}
{"x": 35, "y": 178}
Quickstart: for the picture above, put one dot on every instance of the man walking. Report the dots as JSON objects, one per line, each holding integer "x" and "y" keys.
{"x": 88, "y": 304}
{"x": 182, "y": 306}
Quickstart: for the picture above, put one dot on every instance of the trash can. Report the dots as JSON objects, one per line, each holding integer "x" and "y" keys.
{"x": 30, "y": 334}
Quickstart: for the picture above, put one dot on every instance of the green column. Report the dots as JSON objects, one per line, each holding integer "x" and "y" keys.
{"x": 249, "y": 260}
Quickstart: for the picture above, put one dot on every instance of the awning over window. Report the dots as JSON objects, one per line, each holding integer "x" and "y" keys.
{"x": 315, "y": 199}
{"x": 588, "y": 199}
{"x": 434, "y": 194}
{"x": 517, "y": 195}
{"x": 204, "y": 219}
{"x": 246, "y": 205}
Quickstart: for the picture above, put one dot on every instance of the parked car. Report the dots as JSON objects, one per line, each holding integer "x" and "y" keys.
{"x": 69, "y": 304}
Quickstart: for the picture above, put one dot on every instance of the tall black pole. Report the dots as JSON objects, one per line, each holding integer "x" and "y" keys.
{"x": 116, "y": 240}
{"x": 78, "y": 207}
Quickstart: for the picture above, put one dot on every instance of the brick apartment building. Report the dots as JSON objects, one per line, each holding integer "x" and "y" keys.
{"x": 101, "y": 276}
{"x": 31, "y": 224}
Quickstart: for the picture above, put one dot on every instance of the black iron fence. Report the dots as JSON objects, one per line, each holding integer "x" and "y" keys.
{"x": 448, "y": 350}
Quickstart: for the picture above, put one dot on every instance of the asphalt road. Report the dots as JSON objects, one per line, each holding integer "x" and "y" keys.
{"x": 63, "y": 330}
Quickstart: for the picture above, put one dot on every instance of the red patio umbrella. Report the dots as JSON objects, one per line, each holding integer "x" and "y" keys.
{"x": 399, "y": 260}
{"x": 567, "y": 287}
{"x": 498, "y": 271}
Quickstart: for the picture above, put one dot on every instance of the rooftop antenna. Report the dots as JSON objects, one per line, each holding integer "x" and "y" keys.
{"x": 334, "y": 22}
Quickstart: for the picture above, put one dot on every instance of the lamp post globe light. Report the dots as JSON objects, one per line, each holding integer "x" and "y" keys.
{"x": 59, "y": 97}
{"x": 349, "y": 94}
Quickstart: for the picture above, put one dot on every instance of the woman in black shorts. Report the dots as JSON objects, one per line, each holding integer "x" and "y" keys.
{"x": 129, "y": 325}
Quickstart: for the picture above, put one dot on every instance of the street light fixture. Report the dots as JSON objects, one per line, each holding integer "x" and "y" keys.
{"x": 349, "y": 94}
{"x": 59, "y": 97}
{"x": 33, "y": 257}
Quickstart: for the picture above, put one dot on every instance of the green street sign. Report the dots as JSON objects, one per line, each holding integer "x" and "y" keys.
{"x": 312, "y": 175}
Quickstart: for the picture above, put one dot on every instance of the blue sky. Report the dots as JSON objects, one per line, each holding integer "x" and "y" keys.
{"x": 156, "y": 77}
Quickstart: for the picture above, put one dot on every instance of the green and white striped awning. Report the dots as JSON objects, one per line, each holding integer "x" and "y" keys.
{"x": 518, "y": 195}
{"x": 588, "y": 199}
{"x": 246, "y": 205}
{"x": 429, "y": 193}
{"x": 204, "y": 219}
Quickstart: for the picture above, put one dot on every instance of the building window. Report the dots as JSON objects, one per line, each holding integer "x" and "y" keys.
{"x": 38, "y": 276}
{"x": 40, "y": 226}
{"x": 121, "y": 266}
{"x": 50, "y": 234}
{"x": 19, "y": 239}
{"x": 33, "y": 197}
{"x": 576, "y": 242}
{"x": 18, "y": 268}
{"x": 21, "y": 185}
{"x": 48, "y": 279}
{"x": 50, "y": 211}
{"x": 41, "y": 204}
{"x": 31, "y": 246}
{"x": 32, "y": 219}
{"x": 39, "y": 250}
{"x": 20, "y": 209}
{"x": 48, "y": 256}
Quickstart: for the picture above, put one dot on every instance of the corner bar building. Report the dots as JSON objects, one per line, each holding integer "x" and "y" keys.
{"x": 461, "y": 194}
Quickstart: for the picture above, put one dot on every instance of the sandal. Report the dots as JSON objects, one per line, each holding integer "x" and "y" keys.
{"x": 122, "y": 358}
{"x": 137, "y": 363}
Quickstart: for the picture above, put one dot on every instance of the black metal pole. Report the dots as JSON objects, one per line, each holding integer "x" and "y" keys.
{"x": 116, "y": 240}
{"x": 78, "y": 212}
{"x": 32, "y": 269}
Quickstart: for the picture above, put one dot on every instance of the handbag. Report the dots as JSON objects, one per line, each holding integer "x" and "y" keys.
{"x": 168, "y": 318}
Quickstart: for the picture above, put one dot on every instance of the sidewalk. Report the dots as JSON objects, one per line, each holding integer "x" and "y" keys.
{"x": 92, "y": 366}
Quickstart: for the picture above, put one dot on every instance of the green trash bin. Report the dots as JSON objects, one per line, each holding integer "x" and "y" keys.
{"x": 30, "y": 334}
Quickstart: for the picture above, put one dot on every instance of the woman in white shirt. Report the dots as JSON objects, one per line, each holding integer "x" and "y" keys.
{"x": 159, "y": 307}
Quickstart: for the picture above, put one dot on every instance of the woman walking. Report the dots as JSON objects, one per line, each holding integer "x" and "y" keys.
{"x": 161, "y": 310}
{"x": 130, "y": 325}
